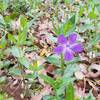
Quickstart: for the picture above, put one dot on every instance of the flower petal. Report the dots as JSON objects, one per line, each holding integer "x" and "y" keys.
{"x": 77, "y": 48}
{"x": 68, "y": 55}
{"x": 58, "y": 50}
{"x": 72, "y": 38}
{"x": 61, "y": 39}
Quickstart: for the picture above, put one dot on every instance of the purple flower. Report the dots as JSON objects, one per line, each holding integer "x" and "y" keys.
{"x": 68, "y": 46}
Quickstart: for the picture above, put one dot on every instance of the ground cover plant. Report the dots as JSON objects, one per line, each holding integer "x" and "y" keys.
{"x": 49, "y": 50}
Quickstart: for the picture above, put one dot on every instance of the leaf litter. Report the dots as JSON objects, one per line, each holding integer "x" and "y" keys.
{"x": 88, "y": 73}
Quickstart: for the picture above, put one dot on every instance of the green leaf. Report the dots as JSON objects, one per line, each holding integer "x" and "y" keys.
{"x": 48, "y": 80}
{"x": 52, "y": 38}
{"x": 70, "y": 92}
{"x": 92, "y": 15}
{"x": 5, "y": 63}
{"x": 7, "y": 19}
{"x": 67, "y": 1}
{"x": 54, "y": 60}
{"x": 2, "y": 80}
{"x": 70, "y": 69}
{"x": 16, "y": 52}
{"x": 15, "y": 71}
{"x": 61, "y": 85}
{"x": 3, "y": 42}
{"x": 1, "y": 96}
{"x": 86, "y": 27}
{"x": 24, "y": 62}
{"x": 81, "y": 11}
{"x": 12, "y": 38}
{"x": 93, "y": 41}
{"x": 14, "y": 15}
{"x": 96, "y": 1}
{"x": 2, "y": 20}
{"x": 58, "y": 29}
{"x": 22, "y": 35}
{"x": 69, "y": 26}
{"x": 3, "y": 5}
{"x": 21, "y": 38}
{"x": 23, "y": 21}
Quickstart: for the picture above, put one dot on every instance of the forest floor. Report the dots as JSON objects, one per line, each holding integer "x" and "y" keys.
{"x": 30, "y": 66}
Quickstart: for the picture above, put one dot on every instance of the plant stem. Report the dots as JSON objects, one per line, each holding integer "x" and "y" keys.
{"x": 62, "y": 64}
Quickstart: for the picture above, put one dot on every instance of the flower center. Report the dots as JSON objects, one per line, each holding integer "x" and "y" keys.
{"x": 68, "y": 46}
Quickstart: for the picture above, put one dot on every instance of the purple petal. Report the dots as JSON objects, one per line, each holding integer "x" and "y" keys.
{"x": 61, "y": 39}
{"x": 72, "y": 38}
{"x": 68, "y": 55}
{"x": 58, "y": 50}
{"x": 77, "y": 48}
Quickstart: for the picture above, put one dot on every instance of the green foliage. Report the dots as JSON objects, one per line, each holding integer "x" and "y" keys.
{"x": 23, "y": 31}
{"x": 3, "y": 5}
{"x": 15, "y": 71}
{"x": 59, "y": 85}
{"x": 17, "y": 52}
{"x": 53, "y": 60}
{"x": 1, "y": 97}
{"x": 2, "y": 79}
{"x": 4, "y": 96}
{"x": 3, "y": 42}
{"x": 70, "y": 92}
{"x": 35, "y": 3}
{"x": 67, "y": 27}
{"x": 24, "y": 62}
{"x": 78, "y": 16}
